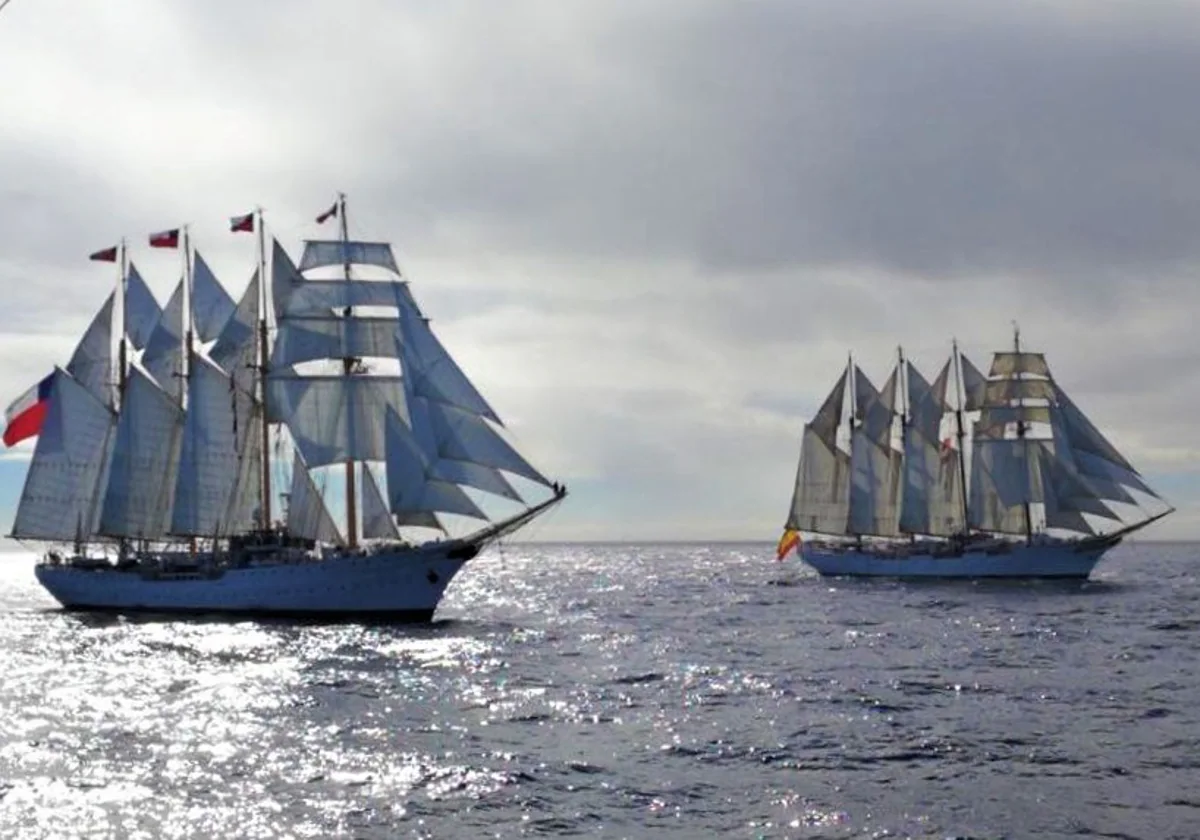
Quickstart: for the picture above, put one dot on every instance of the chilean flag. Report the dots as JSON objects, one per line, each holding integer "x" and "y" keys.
{"x": 23, "y": 419}
{"x": 242, "y": 224}
{"x": 165, "y": 239}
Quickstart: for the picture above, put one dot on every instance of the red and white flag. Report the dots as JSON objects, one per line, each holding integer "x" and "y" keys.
{"x": 328, "y": 214}
{"x": 107, "y": 255}
{"x": 23, "y": 419}
{"x": 242, "y": 224}
{"x": 165, "y": 239}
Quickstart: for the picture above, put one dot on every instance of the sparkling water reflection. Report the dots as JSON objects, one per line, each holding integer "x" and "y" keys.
{"x": 685, "y": 690}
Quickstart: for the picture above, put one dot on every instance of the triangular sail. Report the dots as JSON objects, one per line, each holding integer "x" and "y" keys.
{"x": 874, "y": 465}
{"x": 91, "y": 364}
{"x": 141, "y": 481}
{"x": 307, "y": 515}
{"x": 141, "y": 309}
{"x": 211, "y": 304}
{"x": 930, "y": 500}
{"x": 163, "y": 356}
{"x": 377, "y": 522}
{"x": 234, "y": 350}
{"x": 57, "y": 502}
{"x": 209, "y": 459}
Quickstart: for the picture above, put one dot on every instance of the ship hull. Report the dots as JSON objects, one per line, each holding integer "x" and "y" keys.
{"x": 405, "y": 584}
{"x": 1061, "y": 560}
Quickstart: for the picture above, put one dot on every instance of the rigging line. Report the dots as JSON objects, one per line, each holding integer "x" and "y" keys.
{"x": 4, "y": 3}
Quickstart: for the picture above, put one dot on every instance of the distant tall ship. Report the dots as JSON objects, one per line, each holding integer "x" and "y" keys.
{"x": 1009, "y": 480}
{"x": 151, "y": 478}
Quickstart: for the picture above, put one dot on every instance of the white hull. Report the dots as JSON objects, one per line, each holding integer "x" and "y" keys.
{"x": 399, "y": 584}
{"x": 1053, "y": 560}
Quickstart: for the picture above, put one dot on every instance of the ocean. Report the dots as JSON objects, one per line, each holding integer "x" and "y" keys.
{"x": 667, "y": 691}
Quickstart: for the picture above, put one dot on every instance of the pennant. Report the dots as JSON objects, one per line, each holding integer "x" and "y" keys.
{"x": 23, "y": 419}
{"x": 789, "y": 540}
{"x": 328, "y": 214}
{"x": 242, "y": 224}
{"x": 165, "y": 239}
{"x": 107, "y": 255}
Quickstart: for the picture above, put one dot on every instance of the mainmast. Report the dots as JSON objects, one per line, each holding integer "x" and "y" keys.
{"x": 188, "y": 305}
{"x": 264, "y": 507}
{"x": 348, "y": 366}
{"x": 122, "y": 350}
{"x": 961, "y": 434}
{"x": 1021, "y": 430}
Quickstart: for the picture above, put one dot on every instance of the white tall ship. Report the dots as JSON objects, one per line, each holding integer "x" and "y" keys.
{"x": 151, "y": 480}
{"x": 880, "y": 487}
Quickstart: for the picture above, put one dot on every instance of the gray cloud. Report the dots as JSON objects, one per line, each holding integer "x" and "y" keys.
{"x": 652, "y": 232}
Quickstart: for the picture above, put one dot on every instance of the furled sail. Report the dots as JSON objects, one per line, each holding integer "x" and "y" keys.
{"x": 307, "y": 515}
{"x": 57, "y": 502}
{"x": 377, "y": 520}
{"x": 141, "y": 481}
{"x": 91, "y": 364}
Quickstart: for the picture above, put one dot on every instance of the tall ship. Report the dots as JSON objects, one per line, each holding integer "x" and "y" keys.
{"x": 161, "y": 440}
{"x": 968, "y": 476}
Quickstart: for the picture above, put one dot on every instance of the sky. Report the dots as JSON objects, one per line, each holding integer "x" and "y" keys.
{"x": 650, "y": 232}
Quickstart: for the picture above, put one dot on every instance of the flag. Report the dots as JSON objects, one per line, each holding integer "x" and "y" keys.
{"x": 789, "y": 540}
{"x": 165, "y": 239}
{"x": 23, "y": 419}
{"x": 242, "y": 224}
{"x": 107, "y": 255}
{"x": 328, "y": 214}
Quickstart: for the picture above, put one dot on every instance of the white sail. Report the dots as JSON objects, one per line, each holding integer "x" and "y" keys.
{"x": 307, "y": 515}
{"x": 163, "y": 356}
{"x": 211, "y": 304}
{"x": 821, "y": 499}
{"x": 874, "y": 409}
{"x": 377, "y": 523}
{"x": 930, "y": 500}
{"x": 463, "y": 436}
{"x": 1015, "y": 362}
{"x": 285, "y": 279}
{"x": 91, "y": 364}
{"x": 411, "y": 490}
{"x": 335, "y": 418}
{"x": 322, "y": 297}
{"x": 1004, "y": 478}
{"x": 311, "y": 337}
{"x": 973, "y": 385}
{"x": 57, "y": 502}
{"x": 435, "y": 375}
{"x": 318, "y": 253}
{"x": 874, "y": 486}
{"x": 141, "y": 482}
{"x": 235, "y": 348}
{"x": 141, "y": 309}
{"x": 245, "y": 499}
{"x": 209, "y": 455}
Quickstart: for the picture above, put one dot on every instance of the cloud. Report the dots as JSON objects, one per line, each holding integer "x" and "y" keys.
{"x": 651, "y": 233}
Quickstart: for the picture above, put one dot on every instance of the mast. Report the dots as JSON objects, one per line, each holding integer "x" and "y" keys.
{"x": 188, "y": 306}
{"x": 853, "y": 414}
{"x": 961, "y": 434}
{"x": 347, "y": 370}
{"x": 122, "y": 350}
{"x": 902, "y": 384}
{"x": 264, "y": 506}
{"x": 1021, "y": 430}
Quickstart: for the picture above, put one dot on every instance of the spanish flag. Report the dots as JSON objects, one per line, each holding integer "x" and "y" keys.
{"x": 789, "y": 540}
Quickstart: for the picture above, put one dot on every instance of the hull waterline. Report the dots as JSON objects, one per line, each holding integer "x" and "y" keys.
{"x": 1063, "y": 561}
{"x": 401, "y": 585}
